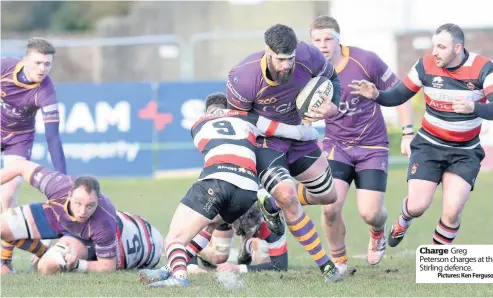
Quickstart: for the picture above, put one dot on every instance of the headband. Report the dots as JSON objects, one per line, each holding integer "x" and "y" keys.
{"x": 327, "y": 30}
{"x": 269, "y": 51}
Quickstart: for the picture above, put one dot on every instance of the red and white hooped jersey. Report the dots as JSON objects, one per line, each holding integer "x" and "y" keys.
{"x": 140, "y": 245}
{"x": 473, "y": 80}
{"x": 227, "y": 140}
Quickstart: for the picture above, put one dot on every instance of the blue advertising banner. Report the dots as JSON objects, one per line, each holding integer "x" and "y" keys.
{"x": 128, "y": 129}
{"x": 106, "y": 129}
{"x": 185, "y": 103}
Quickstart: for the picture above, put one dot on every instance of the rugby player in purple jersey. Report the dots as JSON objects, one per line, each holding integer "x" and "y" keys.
{"x": 267, "y": 83}
{"x": 75, "y": 210}
{"x": 356, "y": 141}
{"x": 26, "y": 88}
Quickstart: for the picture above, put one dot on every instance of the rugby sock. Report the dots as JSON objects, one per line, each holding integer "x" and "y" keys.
{"x": 33, "y": 246}
{"x": 7, "y": 250}
{"x": 304, "y": 232}
{"x": 444, "y": 234}
{"x": 198, "y": 243}
{"x": 377, "y": 233}
{"x": 177, "y": 259}
{"x": 339, "y": 255}
{"x": 302, "y": 195}
{"x": 272, "y": 207}
{"x": 405, "y": 218}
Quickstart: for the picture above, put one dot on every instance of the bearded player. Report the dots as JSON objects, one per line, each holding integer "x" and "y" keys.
{"x": 267, "y": 83}
{"x": 228, "y": 184}
{"x": 356, "y": 141}
{"x": 26, "y": 88}
{"x": 457, "y": 85}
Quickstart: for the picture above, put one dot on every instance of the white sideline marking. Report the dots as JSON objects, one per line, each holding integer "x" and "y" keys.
{"x": 401, "y": 254}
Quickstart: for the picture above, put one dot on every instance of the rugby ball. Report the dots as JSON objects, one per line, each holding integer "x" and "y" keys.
{"x": 311, "y": 95}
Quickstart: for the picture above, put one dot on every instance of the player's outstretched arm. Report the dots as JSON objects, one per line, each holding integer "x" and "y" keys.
{"x": 23, "y": 168}
{"x": 102, "y": 265}
{"x": 389, "y": 98}
{"x": 267, "y": 127}
{"x": 277, "y": 263}
{"x": 396, "y": 95}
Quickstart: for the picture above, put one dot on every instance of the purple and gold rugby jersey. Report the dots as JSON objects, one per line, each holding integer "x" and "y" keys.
{"x": 359, "y": 121}
{"x": 19, "y": 105}
{"x": 100, "y": 228}
{"x": 249, "y": 88}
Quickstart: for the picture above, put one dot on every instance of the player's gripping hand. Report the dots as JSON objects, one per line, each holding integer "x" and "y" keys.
{"x": 71, "y": 259}
{"x": 228, "y": 267}
{"x": 364, "y": 88}
{"x": 462, "y": 106}
{"x": 195, "y": 269}
{"x": 327, "y": 109}
{"x": 308, "y": 133}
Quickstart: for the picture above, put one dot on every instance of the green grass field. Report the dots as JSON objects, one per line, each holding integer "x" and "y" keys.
{"x": 395, "y": 275}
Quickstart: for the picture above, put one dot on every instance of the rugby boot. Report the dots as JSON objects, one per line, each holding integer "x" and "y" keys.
{"x": 7, "y": 267}
{"x": 376, "y": 247}
{"x": 331, "y": 273}
{"x": 396, "y": 234}
{"x": 344, "y": 269}
{"x": 275, "y": 223}
{"x": 148, "y": 276}
{"x": 171, "y": 282}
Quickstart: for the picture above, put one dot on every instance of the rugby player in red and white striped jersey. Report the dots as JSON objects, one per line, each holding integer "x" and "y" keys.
{"x": 458, "y": 89}
{"x": 228, "y": 184}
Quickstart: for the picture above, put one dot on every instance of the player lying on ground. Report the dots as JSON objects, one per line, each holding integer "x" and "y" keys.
{"x": 228, "y": 184}
{"x": 139, "y": 245}
{"x": 356, "y": 142}
{"x": 267, "y": 83}
{"x": 26, "y": 88}
{"x": 457, "y": 85}
{"x": 74, "y": 206}
{"x": 253, "y": 230}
